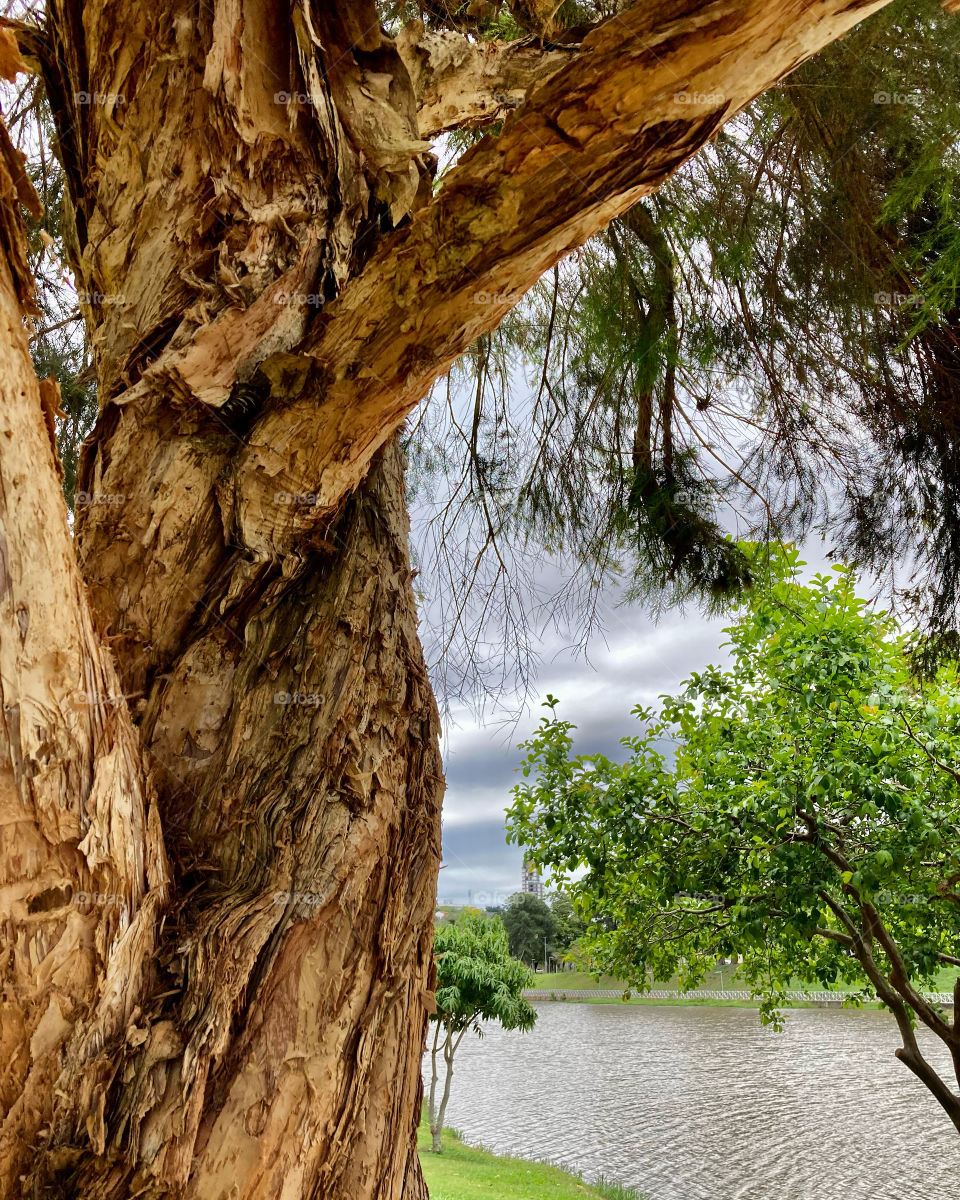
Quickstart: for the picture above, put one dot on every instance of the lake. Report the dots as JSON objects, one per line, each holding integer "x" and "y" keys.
{"x": 707, "y": 1104}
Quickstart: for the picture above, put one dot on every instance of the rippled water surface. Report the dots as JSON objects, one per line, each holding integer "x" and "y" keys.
{"x": 706, "y": 1104}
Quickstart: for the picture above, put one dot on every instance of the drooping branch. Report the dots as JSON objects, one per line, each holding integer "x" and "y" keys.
{"x": 646, "y": 91}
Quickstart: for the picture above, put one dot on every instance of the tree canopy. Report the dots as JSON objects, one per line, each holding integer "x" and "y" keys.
{"x": 569, "y": 925}
{"x": 531, "y": 927}
{"x": 477, "y": 979}
{"x": 765, "y": 347}
{"x": 801, "y": 808}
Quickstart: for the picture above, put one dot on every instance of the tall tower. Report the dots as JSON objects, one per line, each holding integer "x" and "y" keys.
{"x": 530, "y": 880}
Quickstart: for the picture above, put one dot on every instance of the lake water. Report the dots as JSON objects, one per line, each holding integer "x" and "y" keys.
{"x": 707, "y": 1104}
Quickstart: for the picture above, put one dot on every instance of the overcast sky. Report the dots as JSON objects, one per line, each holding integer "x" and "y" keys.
{"x": 640, "y": 660}
{"x": 637, "y": 661}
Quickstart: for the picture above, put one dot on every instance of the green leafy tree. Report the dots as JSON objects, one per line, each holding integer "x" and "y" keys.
{"x": 477, "y": 981}
{"x": 529, "y": 924}
{"x": 570, "y": 926}
{"x": 801, "y": 808}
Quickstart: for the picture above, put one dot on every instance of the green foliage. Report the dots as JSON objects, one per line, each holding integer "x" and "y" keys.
{"x": 529, "y": 923}
{"x": 477, "y": 980}
{"x": 569, "y": 927}
{"x": 801, "y": 808}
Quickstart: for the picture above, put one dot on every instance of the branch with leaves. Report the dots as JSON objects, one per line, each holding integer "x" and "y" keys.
{"x": 795, "y": 809}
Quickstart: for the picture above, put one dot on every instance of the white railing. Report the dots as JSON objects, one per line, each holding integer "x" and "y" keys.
{"x": 560, "y": 993}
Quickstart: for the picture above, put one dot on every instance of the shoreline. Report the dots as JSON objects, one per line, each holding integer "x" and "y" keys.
{"x": 573, "y": 997}
{"x": 709, "y": 1000}
{"x": 464, "y": 1172}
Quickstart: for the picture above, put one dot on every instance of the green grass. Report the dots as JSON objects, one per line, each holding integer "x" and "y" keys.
{"x": 575, "y": 981}
{"x": 568, "y": 983}
{"x": 468, "y": 1173}
{"x": 580, "y": 981}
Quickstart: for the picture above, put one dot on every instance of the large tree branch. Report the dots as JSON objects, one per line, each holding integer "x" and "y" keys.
{"x": 647, "y": 90}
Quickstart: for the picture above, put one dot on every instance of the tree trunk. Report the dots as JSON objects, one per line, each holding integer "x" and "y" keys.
{"x": 272, "y": 1046}
{"x": 436, "y": 1125}
{"x": 253, "y": 790}
{"x": 438, "y": 1115}
{"x": 434, "y": 1075}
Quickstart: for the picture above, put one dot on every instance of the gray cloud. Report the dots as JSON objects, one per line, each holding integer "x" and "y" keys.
{"x": 634, "y": 663}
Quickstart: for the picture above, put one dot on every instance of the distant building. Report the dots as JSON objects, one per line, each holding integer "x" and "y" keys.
{"x": 530, "y": 881}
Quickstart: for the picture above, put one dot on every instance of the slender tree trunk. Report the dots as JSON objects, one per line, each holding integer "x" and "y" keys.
{"x": 436, "y": 1127}
{"x": 254, "y": 787}
{"x": 434, "y": 1075}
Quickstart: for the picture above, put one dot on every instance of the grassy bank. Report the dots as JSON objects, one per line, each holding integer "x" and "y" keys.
{"x": 566, "y": 984}
{"x": 465, "y": 1173}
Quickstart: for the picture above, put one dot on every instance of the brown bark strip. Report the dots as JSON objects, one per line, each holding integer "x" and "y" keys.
{"x": 82, "y": 869}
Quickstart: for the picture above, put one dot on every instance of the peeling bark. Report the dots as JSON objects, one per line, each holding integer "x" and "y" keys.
{"x": 269, "y": 286}
{"x": 649, "y": 89}
{"x": 83, "y": 874}
{"x": 462, "y": 84}
{"x": 284, "y": 710}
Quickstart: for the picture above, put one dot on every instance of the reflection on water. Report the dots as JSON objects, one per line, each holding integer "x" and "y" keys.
{"x": 706, "y": 1104}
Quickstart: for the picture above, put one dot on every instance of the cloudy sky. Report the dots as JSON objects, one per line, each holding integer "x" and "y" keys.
{"x": 637, "y": 661}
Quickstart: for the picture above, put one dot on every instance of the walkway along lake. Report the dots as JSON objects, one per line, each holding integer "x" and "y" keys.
{"x": 707, "y": 1104}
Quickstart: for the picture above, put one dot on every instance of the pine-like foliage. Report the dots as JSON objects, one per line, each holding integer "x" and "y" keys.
{"x": 766, "y": 348}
